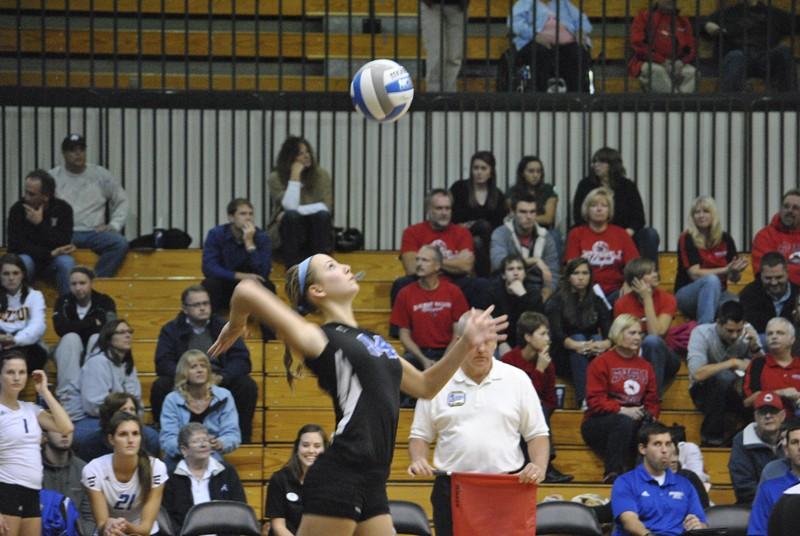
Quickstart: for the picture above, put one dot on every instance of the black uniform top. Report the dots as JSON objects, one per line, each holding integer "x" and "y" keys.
{"x": 361, "y": 372}
{"x": 285, "y": 499}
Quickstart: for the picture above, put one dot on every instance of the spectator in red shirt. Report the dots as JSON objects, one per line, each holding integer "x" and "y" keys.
{"x": 663, "y": 47}
{"x": 620, "y": 395}
{"x": 778, "y": 371}
{"x": 782, "y": 235}
{"x": 656, "y": 309}
{"x": 533, "y": 358}
{"x": 427, "y": 311}
{"x": 707, "y": 258}
{"x": 455, "y": 243}
{"x": 606, "y": 246}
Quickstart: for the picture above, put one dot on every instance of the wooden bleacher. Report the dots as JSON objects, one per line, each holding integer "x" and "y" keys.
{"x": 304, "y": 47}
{"x": 147, "y": 291}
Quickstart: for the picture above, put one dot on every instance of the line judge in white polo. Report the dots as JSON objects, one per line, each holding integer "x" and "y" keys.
{"x": 477, "y": 420}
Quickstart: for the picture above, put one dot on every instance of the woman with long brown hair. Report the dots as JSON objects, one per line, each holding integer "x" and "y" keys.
{"x": 126, "y": 486}
{"x": 480, "y": 206}
{"x": 21, "y": 425}
{"x": 302, "y": 203}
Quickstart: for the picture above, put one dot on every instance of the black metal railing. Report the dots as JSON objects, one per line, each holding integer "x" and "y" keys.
{"x": 183, "y": 155}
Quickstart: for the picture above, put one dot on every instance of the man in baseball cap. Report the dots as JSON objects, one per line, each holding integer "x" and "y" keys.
{"x": 90, "y": 190}
{"x": 756, "y": 446}
{"x": 73, "y": 142}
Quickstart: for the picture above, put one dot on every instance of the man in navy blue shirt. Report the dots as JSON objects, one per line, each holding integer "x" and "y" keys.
{"x": 235, "y": 251}
{"x": 652, "y": 499}
{"x": 770, "y": 491}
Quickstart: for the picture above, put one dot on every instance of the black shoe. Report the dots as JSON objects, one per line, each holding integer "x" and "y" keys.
{"x": 554, "y": 476}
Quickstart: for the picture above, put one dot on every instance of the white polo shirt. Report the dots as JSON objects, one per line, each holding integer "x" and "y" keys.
{"x": 479, "y": 426}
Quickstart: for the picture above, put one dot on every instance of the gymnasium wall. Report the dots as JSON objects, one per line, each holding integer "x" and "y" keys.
{"x": 181, "y": 166}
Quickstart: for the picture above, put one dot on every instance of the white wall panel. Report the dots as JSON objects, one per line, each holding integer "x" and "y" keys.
{"x": 181, "y": 167}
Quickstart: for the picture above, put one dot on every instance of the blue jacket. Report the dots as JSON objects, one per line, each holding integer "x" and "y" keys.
{"x": 222, "y": 420}
{"x": 223, "y": 255}
{"x": 173, "y": 341}
{"x": 569, "y": 16}
{"x": 768, "y": 494}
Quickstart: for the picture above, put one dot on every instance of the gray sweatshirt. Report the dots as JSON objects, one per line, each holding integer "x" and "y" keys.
{"x": 505, "y": 242}
{"x": 100, "y": 376}
{"x": 88, "y": 194}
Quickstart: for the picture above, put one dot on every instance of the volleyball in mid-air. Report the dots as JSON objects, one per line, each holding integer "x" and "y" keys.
{"x": 382, "y": 90}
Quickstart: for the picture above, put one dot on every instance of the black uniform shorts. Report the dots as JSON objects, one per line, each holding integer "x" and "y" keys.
{"x": 335, "y": 490}
{"x": 19, "y": 501}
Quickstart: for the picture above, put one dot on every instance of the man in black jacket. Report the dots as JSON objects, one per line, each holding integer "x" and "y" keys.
{"x": 196, "y": 328}
{"x": 200, "y": 472}
{"x": 78, "y": 317}
{"x": 40, "y": 230}
{"x": 750, "y": 35}
{"x": 770, "y": 295}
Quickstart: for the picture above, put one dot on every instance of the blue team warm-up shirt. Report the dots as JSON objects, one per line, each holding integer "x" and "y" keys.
{"x": 662, "y": 509}
{"x": 769, "y": 492}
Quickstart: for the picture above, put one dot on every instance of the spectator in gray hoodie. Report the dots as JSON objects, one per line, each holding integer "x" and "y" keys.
{"x": 91, "y": 190}
{"x": 62, "y": 473}
{"x": 522, "y": 235}
{"x": 109, "y": 369}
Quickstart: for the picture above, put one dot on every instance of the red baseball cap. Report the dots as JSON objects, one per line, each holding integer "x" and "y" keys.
{"x": 768, "y": 399}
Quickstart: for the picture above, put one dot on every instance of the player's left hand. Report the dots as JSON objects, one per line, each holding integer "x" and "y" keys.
{"x": 39, "y": 381}
{"x": 531, "y": 474}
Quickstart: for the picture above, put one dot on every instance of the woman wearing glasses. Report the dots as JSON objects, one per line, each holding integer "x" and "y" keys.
{"x": 109, "y": 369}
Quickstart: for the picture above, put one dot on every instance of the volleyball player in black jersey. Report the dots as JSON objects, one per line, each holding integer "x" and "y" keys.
{"x": 344, "y": 492}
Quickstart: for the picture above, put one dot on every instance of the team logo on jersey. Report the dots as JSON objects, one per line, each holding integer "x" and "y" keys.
{"x": 677, "y": 495}
{"x": 377, "y": 346}
{"x": 632, "y": 387}
{"x": 601, "y": 254}
{"x": 456, "y": 398}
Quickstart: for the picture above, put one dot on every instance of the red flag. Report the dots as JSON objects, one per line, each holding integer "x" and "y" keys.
{"x": 492, "y": 504}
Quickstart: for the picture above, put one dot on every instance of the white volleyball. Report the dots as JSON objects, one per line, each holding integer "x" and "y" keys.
{"x": 382, "y": 90}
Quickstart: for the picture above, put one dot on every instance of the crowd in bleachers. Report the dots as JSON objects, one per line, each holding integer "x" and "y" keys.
{"x": 590, "y": 307}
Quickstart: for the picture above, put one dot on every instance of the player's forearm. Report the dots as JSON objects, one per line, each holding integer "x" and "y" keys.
{"x": 440, "y": 373}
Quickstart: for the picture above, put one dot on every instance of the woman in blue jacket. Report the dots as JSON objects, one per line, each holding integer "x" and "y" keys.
{"x": 197, "y": 399}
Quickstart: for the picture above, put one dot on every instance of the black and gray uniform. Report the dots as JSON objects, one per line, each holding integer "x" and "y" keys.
{"x": 361, "y": 372}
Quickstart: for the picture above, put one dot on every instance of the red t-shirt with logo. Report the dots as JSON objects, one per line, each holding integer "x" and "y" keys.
{"x": 607, "y": 252}
{"x": 543, "y": 382}
{"x": 766, "y": 374}
{"x": 613, "y": 381}
{"x": 451, "y": 240}
{"x": 663, "y": 302}
{"x": 429, "y": 314}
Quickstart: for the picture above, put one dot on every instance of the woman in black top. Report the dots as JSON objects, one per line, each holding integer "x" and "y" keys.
{"x": 284, "y": 506}
{"x": 480, "y": 206}
{"x": 579, "y": 322}
{"x": 530, "y": 178}
{"x": 345, "y": 489}
{"x": 609, "y": 171}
